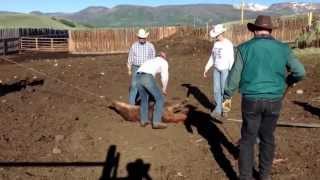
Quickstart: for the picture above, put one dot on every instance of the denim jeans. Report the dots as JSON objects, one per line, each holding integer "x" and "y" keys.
{"x": 259, "y": 120}
{"x": 133, "y": 86}
{"x": 147, "y": 85}
{"x": 219, "y": 79}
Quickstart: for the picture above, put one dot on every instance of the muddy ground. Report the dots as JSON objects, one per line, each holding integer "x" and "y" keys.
{"x": 62, "y": 127}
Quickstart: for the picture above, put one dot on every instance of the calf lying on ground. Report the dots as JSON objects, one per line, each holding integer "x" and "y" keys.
{"x": 172, "y": 113}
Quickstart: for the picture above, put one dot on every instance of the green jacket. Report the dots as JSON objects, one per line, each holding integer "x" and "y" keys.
{"x": 260, "y": 69}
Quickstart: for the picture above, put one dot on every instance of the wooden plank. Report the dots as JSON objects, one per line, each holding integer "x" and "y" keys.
{"x": 283, "y": 123}
{"x": 45, "y": 50}
{"x": 101, "y": 52}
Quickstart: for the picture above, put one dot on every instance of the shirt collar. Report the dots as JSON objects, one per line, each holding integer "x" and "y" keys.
{"x": 263, "y": 37}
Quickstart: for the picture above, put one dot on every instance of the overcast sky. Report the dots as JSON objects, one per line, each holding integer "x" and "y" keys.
{"x": 76, "y": 5}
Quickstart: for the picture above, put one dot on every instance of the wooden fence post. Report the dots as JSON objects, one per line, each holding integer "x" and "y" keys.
{"x": 51, "y": 43}
{"x": 20, "y": 46}
{"x": 37, "y": 47}
{"x": 5, "y": 46}
{"x": 207, "y": 30}
{"x": 71, "y": 47}
{"x": 282, "y": 30}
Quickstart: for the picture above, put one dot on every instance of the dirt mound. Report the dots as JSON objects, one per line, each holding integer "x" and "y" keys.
{"x": 183, "y": 43}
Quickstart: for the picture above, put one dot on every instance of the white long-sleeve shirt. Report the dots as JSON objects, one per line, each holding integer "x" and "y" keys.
{"x": 222, "y": 56}
{"x": 155, "y": 66}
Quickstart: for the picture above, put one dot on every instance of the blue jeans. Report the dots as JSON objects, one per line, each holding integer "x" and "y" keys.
{"x": 147, "y": 85}
{"x": 259, "y": 120}
{"x": 133, "y": 86}
{"x": 219, "y": 79}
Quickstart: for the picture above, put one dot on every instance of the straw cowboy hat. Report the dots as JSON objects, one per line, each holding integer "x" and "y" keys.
{"x": 217, "y": 30}
{"x": 262, "y": 23}
{"x": 142, "y": 33}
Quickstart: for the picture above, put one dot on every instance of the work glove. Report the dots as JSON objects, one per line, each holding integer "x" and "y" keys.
{"x": 226, "y": 105}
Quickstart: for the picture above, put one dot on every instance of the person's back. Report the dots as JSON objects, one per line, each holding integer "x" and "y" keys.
{"x": 264, "y": 67}
{"x": 147, "y": 85}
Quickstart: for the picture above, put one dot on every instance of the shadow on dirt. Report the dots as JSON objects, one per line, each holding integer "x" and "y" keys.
{"x": 306, "y": 106}
{"x": 18, "y": 86}
{"x": 199, "y": 96}
{"x": 216, "y": 139}
{"x": 137, "y": 170}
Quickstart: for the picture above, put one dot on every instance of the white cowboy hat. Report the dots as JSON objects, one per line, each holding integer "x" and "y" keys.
{"x": 217, "y": 30}
{"x": 142, "y": 33}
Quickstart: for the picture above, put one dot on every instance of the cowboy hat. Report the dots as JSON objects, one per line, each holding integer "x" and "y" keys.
{"x": 142, "y": 33}
{"x": 262, "y": 23}
{"x": 217, "y": 30}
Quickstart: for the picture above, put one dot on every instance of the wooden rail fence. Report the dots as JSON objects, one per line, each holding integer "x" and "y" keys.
{"x": 10, "y": 45}
{"x": 287, "y": 30}
{"x": 101, "y": 41}
{"x": 104, "y": 41}
{"x": 44, "y": 44}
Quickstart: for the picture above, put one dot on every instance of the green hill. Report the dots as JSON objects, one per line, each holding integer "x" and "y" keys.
{"x": 192, "y": 14}
{"x": 19, "y": 20}
{"x": 130, "y": 15}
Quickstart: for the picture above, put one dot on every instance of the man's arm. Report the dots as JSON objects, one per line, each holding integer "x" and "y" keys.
{"x": 130, "y": 60}
{"x": 234, "y": 77}
{"x": 231, "y": 56}
{"x": 164, "y": 76}
{"x": 208, "y": 65}
{"x": 296, "y": 70}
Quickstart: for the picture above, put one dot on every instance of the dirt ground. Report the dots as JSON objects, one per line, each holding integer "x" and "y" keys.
{"x": 62, "y": 127}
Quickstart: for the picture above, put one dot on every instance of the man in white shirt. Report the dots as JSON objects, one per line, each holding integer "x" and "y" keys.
{"x": 146, "y": 84}
{"x": 222, "y": 58}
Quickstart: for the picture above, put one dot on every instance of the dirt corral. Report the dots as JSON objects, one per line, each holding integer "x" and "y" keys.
{"x": 63, "y": 128}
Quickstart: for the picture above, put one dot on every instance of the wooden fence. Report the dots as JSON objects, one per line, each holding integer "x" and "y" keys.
{"x": 111, "y": 40}
{"x": 34, "y": 32}
{"x": 43, "y": 32}
{"x": 10, "y": 45}
{"x": 10, "y": 40}
{"x": 9, "y": 33}
{"x": 101, "y": 41}
{"x": 287, "y": 30}
{"x": 120, "y": 40}
{"x": 44, "y": 44}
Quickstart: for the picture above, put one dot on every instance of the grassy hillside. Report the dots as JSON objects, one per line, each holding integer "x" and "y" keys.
{"x": 16, "y": 20}
{"x": 129, "y": 15}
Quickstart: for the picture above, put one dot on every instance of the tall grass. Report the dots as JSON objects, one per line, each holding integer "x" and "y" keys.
{"x": 10, "y": 20}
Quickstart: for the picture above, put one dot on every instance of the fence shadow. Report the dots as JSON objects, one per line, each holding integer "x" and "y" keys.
{"x": 307, "y": 107}
{"x": 199, "y": 96}
{"x": 137, "y": 170}
{"x": 216, "y": 139}
{"x": 18, "y": 86}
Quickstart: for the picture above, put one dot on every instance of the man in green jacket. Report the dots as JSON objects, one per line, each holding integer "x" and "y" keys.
{"x": 260, "y": 73}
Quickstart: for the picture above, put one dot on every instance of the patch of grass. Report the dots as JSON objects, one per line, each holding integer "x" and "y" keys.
{"x": 314, "y": 52}
{"x": 310, "y": 57}
{"x": 16, "y": 20}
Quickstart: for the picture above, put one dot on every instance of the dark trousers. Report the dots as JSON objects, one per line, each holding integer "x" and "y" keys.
{"x": 259, "y": 120}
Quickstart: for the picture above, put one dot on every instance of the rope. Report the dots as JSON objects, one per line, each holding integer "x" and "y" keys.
{"x": 56, "y": 79}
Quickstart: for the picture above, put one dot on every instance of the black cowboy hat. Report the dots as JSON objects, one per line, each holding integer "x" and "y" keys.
{"x": 262, "y": 23}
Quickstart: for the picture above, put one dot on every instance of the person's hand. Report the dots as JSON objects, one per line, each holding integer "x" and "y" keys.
{"x": 226, "y": 105}
{"x": 205, "y": 74}
{"x": 164, "y": 92}
{"x": 129, "y": 72}
{"x": 292, "y": 85}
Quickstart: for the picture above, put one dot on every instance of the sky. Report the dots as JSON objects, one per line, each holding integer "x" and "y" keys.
{"x": 26, "y": 6}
